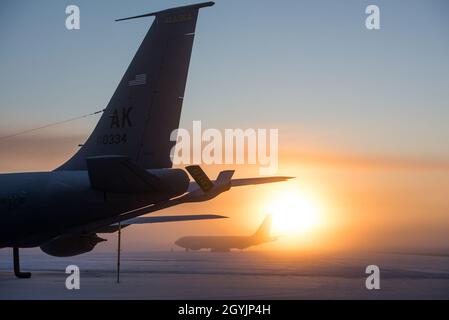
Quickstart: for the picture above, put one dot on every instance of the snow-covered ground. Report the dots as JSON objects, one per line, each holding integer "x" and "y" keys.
{"x": 235, "y": 275}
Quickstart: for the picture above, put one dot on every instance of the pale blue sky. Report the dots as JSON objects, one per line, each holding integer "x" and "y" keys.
{"x": 310, "y": 68}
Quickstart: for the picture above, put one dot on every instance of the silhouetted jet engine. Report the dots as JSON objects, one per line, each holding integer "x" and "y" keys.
{"x": 67, "y": 246}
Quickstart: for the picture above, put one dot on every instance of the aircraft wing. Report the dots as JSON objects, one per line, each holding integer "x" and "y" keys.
{"x": 145, "y": 220}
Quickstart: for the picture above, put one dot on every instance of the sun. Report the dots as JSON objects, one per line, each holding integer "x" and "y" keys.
{"x": 294, "y": 212}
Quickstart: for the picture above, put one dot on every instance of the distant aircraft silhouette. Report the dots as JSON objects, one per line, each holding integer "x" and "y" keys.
{"x": 226, "y": 243}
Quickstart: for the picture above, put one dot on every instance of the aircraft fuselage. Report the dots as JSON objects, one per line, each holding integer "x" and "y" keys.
{"x": 36, "y": 207}
{"x": 217, "y": 243}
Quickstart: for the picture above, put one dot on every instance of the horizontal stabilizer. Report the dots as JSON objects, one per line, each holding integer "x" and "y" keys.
{"x": 172, "y": 10}
{"x": 253, "y": 181}
{"x": 224, "y": 180}
{"x": 119, "y": 174}
{"x": 202, "y": 189}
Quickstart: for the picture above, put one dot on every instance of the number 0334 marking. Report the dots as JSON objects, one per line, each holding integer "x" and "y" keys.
{"x": 112, "y": 139}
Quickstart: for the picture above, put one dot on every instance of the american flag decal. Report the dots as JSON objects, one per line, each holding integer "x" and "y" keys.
{"x": 140, "y": 80}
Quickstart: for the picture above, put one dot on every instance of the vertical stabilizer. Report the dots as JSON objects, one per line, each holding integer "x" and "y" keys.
{"x": 146, "y": 106}
{"x": 264, "y": 230}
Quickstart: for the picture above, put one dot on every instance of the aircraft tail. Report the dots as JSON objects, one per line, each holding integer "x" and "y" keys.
{"x": 264, "y": 230}
{"x": 146, "y": 106}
